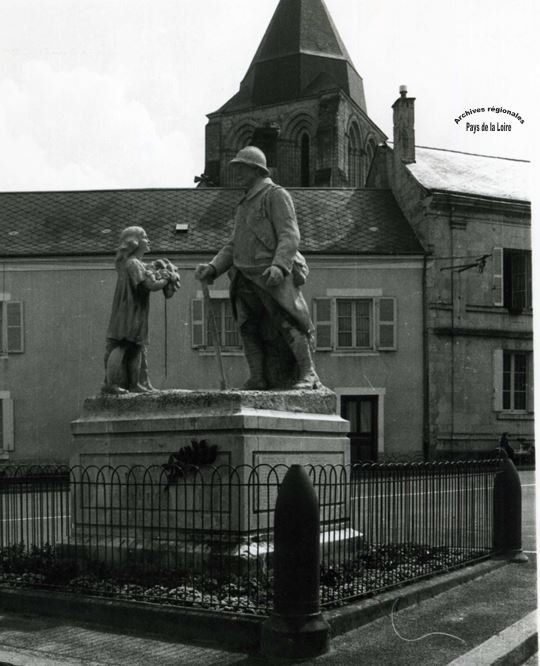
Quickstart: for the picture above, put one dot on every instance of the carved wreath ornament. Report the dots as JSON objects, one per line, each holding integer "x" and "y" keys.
{"x": 198, "y": 454}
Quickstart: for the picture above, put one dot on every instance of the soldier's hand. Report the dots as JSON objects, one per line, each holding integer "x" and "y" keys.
{"x": 205, "y": 273}
{"x": 274, "y": 276}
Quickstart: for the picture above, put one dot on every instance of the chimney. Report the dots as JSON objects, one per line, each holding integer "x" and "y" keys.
{"x": 404, "y": 127}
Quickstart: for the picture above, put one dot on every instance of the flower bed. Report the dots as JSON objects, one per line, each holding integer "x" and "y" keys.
{"x": 376, "y": 569}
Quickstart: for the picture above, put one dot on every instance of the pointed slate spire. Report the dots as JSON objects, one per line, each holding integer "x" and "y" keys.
{"x": 300, "y": 45}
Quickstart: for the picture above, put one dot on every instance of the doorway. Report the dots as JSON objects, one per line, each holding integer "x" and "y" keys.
{"x": 362, "y": 413}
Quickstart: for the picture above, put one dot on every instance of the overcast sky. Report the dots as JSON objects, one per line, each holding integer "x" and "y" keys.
{"x": 113, "y": 93}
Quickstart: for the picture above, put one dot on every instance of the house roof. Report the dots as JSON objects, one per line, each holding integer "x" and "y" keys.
{"x": 300, "y": 43}
{"x": 467, "y": 173}
{"x": 332, "y": 221}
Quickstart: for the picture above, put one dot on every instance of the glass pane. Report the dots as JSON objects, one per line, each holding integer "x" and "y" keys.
{"x": 520, "y": 400}
{"x": 351, "y": 414}
{"x": 197, "y": 335}
{"x": 231, "y": 330}
{"x": 520, "y": 381}
{"x": 344, "y": 323}
{"x": 344, "y": 339}
{"x": 365, "y": 416}
{"x": 344, "y": 308}
{"x": 363, "y": 323}
{"x": 518, "y": 279}
{"x": 520, "y": 363}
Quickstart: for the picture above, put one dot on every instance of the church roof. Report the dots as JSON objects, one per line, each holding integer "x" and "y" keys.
{"x": 332, "y": 221}
{"x": 300, "y": 44}
{"x": 467, "y": 173}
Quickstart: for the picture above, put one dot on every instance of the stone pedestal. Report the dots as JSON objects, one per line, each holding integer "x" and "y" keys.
{"x": 248, "y": 427}
{"x": 122, "y": 442}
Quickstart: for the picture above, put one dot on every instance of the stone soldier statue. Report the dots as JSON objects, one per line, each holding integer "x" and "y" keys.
{"x": 266, "y": 271}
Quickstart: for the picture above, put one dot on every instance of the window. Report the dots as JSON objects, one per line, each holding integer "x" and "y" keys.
{"x": 266, "y": 138}
{"x": 354, "y": 157}
{"x": 6, "y": 422}
{"x": 11, "y": 327}
{"x": 201, "y": 327}
{"x": 512, "y": 283}
{"x": 355, "y": 324}
{"x": 515, "y": 381}
{"x": 304, "y": 160}
{"x": 512, "y": 381}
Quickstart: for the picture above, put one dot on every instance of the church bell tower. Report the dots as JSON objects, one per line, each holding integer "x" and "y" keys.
{"x": 302, "y": 102}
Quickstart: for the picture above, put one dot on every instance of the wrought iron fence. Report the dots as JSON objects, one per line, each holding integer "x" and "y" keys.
{"x": 203, "y": 536}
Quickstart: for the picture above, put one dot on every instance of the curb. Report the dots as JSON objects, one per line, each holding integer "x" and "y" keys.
{"x": 357, "y": 614}
{"x": 237, "y": 632}
{"x": 26, "y": 657}
{"x": 510, "y": 647}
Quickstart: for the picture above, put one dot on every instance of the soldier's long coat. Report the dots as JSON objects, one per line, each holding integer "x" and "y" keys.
{"x": 266, "y": 233}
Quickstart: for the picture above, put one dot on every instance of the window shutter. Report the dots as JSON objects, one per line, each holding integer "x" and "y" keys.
{"x": 14, "y": 316}
{"x": 7, "y": 442}
{"x": 497, "y": 380}
{"x": 322, "y": 319}
{"x": 197, "y": 323}
{"x": 387, "y": 324}
{"x": 498, "y": 278}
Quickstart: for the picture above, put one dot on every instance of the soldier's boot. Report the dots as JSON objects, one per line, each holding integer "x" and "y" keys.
{"x": 254, "y": 354}
{"x": 299, "y": 344}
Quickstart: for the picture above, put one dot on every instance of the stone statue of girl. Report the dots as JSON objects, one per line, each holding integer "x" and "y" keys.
{"x": 126, "y": 368}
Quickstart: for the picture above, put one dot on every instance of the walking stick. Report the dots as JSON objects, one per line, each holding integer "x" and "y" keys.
{"x": 215, "y": 333}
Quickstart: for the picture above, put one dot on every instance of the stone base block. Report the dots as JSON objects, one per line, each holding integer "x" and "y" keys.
{"x": 121, "y": 443}
{"x": 201, "y": 553}
{"x": 248, "y": 427}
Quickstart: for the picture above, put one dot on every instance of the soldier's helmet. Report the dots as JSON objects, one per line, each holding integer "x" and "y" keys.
{"x": 253, "y": 157}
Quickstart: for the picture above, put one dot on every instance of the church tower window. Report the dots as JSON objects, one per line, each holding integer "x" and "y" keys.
{"x": 304, "y": 160}
{"x": 354, "y": 155}
{"x": 266, "y": 138}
